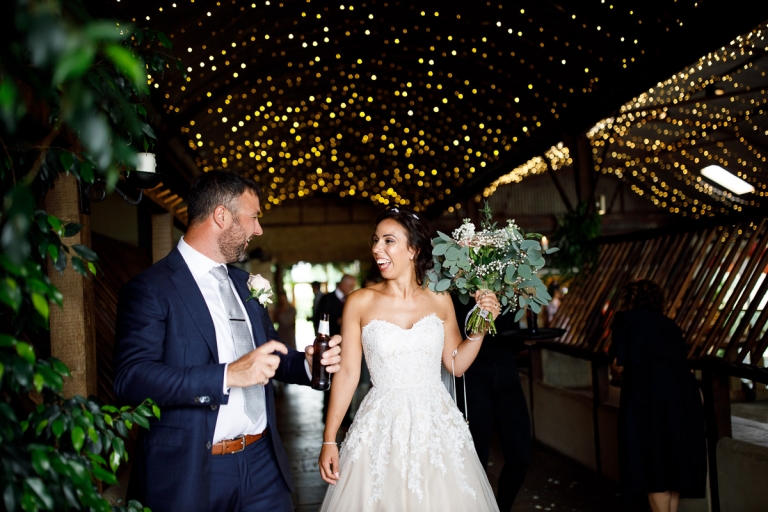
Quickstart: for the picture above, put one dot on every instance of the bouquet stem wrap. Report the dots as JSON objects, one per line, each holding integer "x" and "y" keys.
{"x": 477, "y": 321}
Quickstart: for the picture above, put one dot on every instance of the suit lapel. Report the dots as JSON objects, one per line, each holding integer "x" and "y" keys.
{"x": 252, "y": 307}
{"x": 192, "y": 298}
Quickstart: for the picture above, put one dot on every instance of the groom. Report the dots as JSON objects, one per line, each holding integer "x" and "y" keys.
{"x": 188, "y": 337}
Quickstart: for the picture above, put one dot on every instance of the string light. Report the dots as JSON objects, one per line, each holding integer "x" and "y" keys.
{"x": 380, "y": 100}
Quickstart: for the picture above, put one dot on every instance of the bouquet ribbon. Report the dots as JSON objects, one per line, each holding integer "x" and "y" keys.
{"x": 483, "y": 313}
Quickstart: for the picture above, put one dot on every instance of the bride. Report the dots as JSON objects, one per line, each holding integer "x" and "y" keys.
{"x": 409, "y": 448}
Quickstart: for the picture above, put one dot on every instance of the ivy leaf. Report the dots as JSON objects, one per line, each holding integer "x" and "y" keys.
{"x": 71, "y": 229}
{"x": 114, "y": 461}
{"x": 105, "y": 476}
{"x": 79, "y": 265}
{"x": 78, "y": 438}
{"x": 41, "y": 305}
{"x": 85, "y": 252}
{"x": 140, "y": 421}
{"x": 164, "y": 40}
{"x": 25, "y": 351}
{"x": 128, "y": 65}
{"x": 75, "y": 63}
{"x": 60, "y": 367}
{"x": 10, "y": 294}
{"x": 67, "y": 159}
{"x": 40, "y": 462}
{"x": 41, "y": 490}
{"x": 57, "y": 427}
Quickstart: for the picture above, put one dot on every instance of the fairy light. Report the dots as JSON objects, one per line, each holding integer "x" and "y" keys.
{"x": 288, "y": 98}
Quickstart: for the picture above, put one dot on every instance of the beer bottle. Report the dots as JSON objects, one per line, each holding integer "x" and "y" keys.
{"x": 321, "y": 379}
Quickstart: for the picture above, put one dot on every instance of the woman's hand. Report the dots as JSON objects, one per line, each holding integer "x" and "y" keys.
{"x": 487, "y": 300}
{"x": 329, "y": 463}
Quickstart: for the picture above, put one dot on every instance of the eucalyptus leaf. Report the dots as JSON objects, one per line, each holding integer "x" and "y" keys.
{"x": 524, "y": 271}
{"x": 519, "y": 315}
{"x": 439, "y": 250}
{"x": 444, "y": 236}
{"x": 443, "y": 285}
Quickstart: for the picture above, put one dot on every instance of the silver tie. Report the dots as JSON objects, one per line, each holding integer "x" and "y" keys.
{"x": 253, "y": 395}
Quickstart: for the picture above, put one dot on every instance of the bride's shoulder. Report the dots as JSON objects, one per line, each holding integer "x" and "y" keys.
{"x": 361, "y": 297}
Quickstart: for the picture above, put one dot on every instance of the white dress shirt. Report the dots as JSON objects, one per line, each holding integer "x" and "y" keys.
{"x": 232, "y": 420}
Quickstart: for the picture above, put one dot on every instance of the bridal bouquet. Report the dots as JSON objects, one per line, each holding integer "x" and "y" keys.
{"x": 501, "y": 260}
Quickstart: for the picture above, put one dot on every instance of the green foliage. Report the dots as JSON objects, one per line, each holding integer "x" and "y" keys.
{"x": 501, "y": 260}
{"x": 576, "y": 236}
{"x": 71, "y": 94}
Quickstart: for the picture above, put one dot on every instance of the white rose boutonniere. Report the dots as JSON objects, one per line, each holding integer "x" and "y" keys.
{"x": 260, "y": 289}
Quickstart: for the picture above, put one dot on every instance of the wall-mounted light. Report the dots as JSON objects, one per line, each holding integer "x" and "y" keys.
{"x": 727, "y": 179}
{"x": 144, "y": 176}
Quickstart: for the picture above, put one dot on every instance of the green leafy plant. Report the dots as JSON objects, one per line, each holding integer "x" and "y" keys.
{"x": 576, "y": 236}
{"x": 72, "y": 93}
{"x": 500, "y": 260}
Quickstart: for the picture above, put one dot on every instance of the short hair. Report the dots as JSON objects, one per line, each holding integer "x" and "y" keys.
{"x": 642, "y": 294}
{"x": 419, "y": 237}
{"x": 215, "y": 188}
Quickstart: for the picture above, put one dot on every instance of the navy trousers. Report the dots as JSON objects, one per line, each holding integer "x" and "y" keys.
{"x": 249, "y": 481}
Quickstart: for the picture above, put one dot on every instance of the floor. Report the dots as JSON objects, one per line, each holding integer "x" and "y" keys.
{"x": 553, "y": 483}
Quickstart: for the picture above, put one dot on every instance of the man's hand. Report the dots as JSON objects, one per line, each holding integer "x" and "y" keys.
{"x": 331, "y": 357}
{"x": 255, "y": 367}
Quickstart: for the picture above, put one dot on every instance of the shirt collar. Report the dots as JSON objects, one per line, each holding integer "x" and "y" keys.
{"x": 339, "y": 294}
{"x": 199, "y": 264}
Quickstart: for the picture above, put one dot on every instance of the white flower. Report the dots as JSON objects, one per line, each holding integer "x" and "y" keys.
{"x": 260, "y": 289}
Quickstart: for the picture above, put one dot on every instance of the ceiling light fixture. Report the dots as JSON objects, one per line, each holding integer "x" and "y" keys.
{"x": 727, "y": 179}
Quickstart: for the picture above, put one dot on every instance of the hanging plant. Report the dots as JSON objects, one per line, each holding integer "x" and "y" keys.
{"x": 576, "y": 236}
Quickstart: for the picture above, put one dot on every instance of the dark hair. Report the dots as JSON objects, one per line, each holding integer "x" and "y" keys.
{"x": 642, "y": 294}
{"x": 217, "y": 188}
{"x": 419, "y": 237}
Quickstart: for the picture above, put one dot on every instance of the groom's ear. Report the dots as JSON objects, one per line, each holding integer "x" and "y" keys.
{"x": 220, "y": 214}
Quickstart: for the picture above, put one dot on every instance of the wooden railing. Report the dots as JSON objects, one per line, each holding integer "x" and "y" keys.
{"x": 714, "y": 283}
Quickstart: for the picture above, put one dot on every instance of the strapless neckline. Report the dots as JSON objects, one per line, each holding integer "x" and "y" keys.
{"x": 417, "y": 322}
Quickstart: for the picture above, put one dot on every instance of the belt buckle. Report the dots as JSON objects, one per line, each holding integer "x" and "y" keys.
{"x": 241, "y": 437}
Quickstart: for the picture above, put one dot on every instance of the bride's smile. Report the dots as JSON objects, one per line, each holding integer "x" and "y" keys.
{"x": 390, "y": 247}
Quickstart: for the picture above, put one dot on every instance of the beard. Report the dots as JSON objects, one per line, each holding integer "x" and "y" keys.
{"x": 233, "y": 242}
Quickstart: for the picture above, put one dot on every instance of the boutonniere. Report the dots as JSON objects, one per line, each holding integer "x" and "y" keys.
{"x": 260, "y": 289}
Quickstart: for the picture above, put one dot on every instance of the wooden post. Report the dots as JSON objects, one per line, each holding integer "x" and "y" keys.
{"x": 73, "y": 331}
{"x": 162, "y": 235}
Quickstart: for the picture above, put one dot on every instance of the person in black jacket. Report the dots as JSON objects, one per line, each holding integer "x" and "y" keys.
{"x": 333, "y": 304}
{"x": 495, "y": 398}
{"x": 662, "y": 446}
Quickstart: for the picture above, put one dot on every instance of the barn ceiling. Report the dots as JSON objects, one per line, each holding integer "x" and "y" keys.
{"x": 422, "y": 103}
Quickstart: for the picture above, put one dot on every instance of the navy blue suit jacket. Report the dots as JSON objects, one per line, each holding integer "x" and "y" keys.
{"x": 166, "y": 350}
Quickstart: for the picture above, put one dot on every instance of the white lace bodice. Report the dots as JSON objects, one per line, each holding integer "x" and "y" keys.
{"x": 408, "y": 417}
{"x": 401, "y": 358}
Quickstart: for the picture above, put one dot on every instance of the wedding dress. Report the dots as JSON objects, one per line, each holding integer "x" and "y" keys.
{"x": 409, "y": 448}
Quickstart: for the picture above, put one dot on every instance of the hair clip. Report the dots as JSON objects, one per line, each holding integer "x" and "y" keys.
{"x": 395, "y": 209}
{"x": 415, "y": 216}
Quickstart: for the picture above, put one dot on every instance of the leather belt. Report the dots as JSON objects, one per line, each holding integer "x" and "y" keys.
{"x": 235, "y": 445}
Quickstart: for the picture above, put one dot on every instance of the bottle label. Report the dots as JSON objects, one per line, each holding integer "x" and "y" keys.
{"x": 324, "y": 327}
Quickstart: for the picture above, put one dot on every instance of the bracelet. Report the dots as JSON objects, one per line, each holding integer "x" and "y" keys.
{"x": 331, "y": 442}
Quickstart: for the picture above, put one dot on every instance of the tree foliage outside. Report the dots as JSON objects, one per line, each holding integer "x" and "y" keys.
{"x": 71, "y": 93}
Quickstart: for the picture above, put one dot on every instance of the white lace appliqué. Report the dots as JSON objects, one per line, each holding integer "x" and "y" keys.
{"x": 408, "y": 413}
